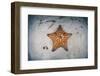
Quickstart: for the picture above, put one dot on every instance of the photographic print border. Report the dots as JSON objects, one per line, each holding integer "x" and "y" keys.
{"x": 15, "y": 37}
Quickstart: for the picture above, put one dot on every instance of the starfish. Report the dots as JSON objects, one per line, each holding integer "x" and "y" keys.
{"x": 59, "y": 39}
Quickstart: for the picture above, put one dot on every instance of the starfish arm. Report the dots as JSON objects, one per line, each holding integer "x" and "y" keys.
{"x": 69, "y": 35}
{"x": 55, "y": 46}
{"x": 53, "y": 50}
{"x": 51, "y": 36}
{"x": 66, "y": 49}
{"x": 65, "y": 46}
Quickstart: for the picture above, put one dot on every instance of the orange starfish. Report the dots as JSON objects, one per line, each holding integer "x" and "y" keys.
{"x": 59, "y": 38}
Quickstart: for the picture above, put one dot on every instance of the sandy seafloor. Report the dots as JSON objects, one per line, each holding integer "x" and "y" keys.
{"x": 38, "y": 28}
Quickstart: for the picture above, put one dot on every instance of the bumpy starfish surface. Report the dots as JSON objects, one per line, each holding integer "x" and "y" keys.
{"x": 59, "y": 38}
